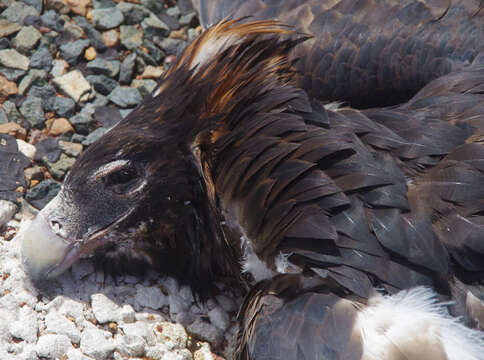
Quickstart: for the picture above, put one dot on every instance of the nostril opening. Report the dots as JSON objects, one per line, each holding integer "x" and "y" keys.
{"x": 55, "y": 225}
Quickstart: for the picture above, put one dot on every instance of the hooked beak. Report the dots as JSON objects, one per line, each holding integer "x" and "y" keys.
{"x": 46, "y": 254}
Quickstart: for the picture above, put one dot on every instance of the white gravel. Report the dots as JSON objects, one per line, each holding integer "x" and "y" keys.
{"x": 81, "y": 315}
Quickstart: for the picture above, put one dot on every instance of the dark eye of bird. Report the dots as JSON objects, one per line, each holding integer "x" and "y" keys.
{"x": 121, "y": 181}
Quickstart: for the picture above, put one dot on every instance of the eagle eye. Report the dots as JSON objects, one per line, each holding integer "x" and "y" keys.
{"x": 121, "y": 181}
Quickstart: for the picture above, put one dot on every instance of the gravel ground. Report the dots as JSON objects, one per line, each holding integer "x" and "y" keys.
{"x": 69, "y": 70}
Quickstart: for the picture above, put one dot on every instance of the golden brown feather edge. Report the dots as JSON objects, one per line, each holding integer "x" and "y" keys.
{"x": 228, "y": 152}
{"x": 367, "y": 52}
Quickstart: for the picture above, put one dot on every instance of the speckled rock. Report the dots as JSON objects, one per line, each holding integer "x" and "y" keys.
{"x": 151, "y": 297}
{"x": 7, "y": 210}
{"x": 53, "y": 346}
{"x": 26, "y": 39}
{"x": 145, "y": 86}
{"x": 48, "y": 149}
{"x": 92, "y": 137}
{"x": 41, "y": 59}
{"x": 32, "y": 110}
{"x": 34, "y": 76}
{"x": 8, "y": 27}
{"x": 102, "y": 84}
{"x": 13, "y": 59}
{"x": 109, "y": 18}
{"x": 73, "y": 51}
{"x": 42, "y": 193}
{"x": 61, "y": 166}
{"x": 104, "y": 67}
{"x": 125, "y": 96}
{"x": 130, "y": 36}
{"x": 18, "y": 11}
{"x": 97, "y": 343}
{"x": 127, "y": 68}
{"x": 70, "y": 148}
{"x": 74, "y": 84}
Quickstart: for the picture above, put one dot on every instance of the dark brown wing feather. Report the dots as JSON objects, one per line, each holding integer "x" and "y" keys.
{"x": 292, "y": 318}
{"x": 369, "y": 52}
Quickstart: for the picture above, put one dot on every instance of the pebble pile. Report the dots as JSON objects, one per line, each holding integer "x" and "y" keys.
{"x": 70, "y": 70}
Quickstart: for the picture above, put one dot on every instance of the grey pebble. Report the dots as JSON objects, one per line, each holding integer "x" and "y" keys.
{"x": 12, "y": 74}
{"x": 4, "y": 43}
{"x": 73, "y": 51}
{"x": 78, "y": 138}
{"x": 41, "y": 59}
{"x": 82, "y": 123}
{"x": 125, "y": 112}
{"x": 104, "y": 67}
{"x": 130, "y": 37}
{"x": 32, "y": 110}
{"x": 13, "y": 59}
{"x": 51, "y": 20}
{"x": 7, "y": 211}
{"x": 95, "y": 135}
{"x": 59, "y": 168}
{"x": 18, "y": 11}
{"x": 64, "y": 106}
{"x": 145, "y": 86}
{"x": 151, "y": 297}
{"x": 48, "y": 149}
{"x": 37, "y": 4}
{"x": 42, "y": 193}
{"x": 172, "y": 46}
{"x": 3, "y": 116}
{"x": 108, "y": 116}
{"x": 53, "y": 346}
{"x": 12, "y": 112}
{"x": 153, "y": 26}
{"x": 103, "y": 4}
{"x": 133, "y": 14}
{"x": 107, "y": 18}
{"x": 127, "y": 68}
{"x": 205, "y": 331}
{"x": 26, "y": 39}
{"x": 219, "y": 318}
{"x": 58, "y": 68}
{"x": 93, "y": 35}
{"x": 125, "y": 96}
{"x": 34, "y": 76}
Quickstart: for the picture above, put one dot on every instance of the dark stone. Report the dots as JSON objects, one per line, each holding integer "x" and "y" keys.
{"x": 12, "y": 112}
{"x": 3, "y": 116}
{"x": 93, "y": 35}
{"x": 18, "y": 11}
{"x": 5, "y": 44}
{"x": 48, "y": 149}
{"x": 64, "y": 106}
{"x": 82, "y": 123}
{"x": 12, "y": 165}
{"x": 171, "y": 46}
{"x": 46, "y": 93}
{"x": 33, "y": 112}
{"x": 171, "y": 21}
{"x": 33, "y": 20}
{"x": 42, "y": 193}
{"x": 103, "y": 4}
{"x": 103, "y": 67}
{"x": 127, "y": 68}
{"x": 154, "y": 5}
{"x": 94, "y": 136}
{"x": 37, "y": 4}
{"x": 108, "y": 116}
{"x": 51, "y": 20}
{"x": 78, "y": 138}
{"x": 156, "y": 53}
{"x": 185, "y": 6}
{"x": 107, "y": 18}
{"x": 41, "y": 59}
{"x": 12, "y": 74}
{"x": 73, "y": 51}
{"x": 102, "y": 83}
{"x": 109, "y": 54}
{"x": 135, "y": 16}
{"x": 125, "y": 97}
